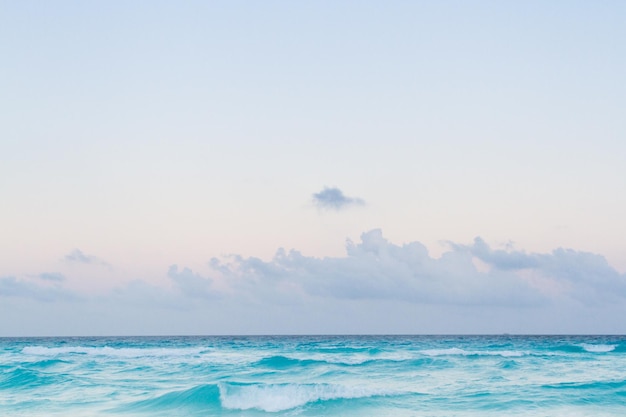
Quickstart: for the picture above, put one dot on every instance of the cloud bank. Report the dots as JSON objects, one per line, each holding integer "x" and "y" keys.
{"x": 334, "y": 199}
{"x": 374, "y": 268}
{"x": 376, "y": 287}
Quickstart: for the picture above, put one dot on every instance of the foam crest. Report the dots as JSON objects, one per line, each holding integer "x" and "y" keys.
{"x": 356, "y": 359}
{"x": 281, "y": 397}
{"x": 598, "y": 348}
{"x": 462, "y": 352}
{"x": 110, "y": 352}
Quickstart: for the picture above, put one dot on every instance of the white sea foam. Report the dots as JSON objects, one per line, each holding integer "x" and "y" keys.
{"x": 111, "y": 352}
{"x": 598, "y": 348}
{"x": 462, "y": 352}
{"x": 353, "y": 359}
{"x": 232, "y": 357}
{"x": 280, "y": 397}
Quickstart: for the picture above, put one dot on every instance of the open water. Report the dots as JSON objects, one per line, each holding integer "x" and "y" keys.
{"x": 314, "y": 376}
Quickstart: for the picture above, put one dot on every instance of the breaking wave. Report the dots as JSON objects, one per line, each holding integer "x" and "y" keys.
{"x": 281, "y": 397}
{"x": 598, "y": 348}
{"x": 247, "y": 396}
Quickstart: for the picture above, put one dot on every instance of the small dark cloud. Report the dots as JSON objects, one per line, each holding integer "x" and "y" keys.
{"x": 79, "y": 256}
{"x": 52, "y": 276}
{"x": 334, "y": 199}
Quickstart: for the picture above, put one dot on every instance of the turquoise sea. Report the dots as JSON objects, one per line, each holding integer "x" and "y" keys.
{"x": 314, "y": 376}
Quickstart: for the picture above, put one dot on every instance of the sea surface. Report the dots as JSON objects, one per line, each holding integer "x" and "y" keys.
{"x": 314, "y": 376}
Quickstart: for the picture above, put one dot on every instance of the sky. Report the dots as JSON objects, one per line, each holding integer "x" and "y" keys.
{"x": 240, "y": 167}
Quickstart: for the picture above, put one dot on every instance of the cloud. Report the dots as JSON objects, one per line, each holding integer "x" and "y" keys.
{"x": 377, "y": 286}
{"x": 334, "y": 199}
{"x": 375, "y": 269}
{"x": 78, "y": 256}
{"x": 190, "y": 284}
{"x": 584, "y": 276}
{"x": 13, "y": 287}
{"x": 52, "y": 276}
{"x": 501, "y": 259}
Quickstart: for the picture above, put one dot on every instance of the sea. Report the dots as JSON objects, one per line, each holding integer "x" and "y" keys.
{"x": 353, "y": 376}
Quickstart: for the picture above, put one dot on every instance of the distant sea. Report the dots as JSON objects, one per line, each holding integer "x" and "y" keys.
{"x": 314, "y": 376}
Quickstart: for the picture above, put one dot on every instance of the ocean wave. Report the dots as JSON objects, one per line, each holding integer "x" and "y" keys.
{"x": 22, "y": 378}
{"x": 47, "y": 363}
{"x": 256, "y": 377}
{"x": 334, "y": 359}
{"x": 508, "y": 364}
{"x": 283, "y": 362}
{"x": 110, "y": 351}
{"x": 349, "y": 350}
{"x": 599, "y": 348}
{"x": 462, "y": 352}
{"x": 203, "y": 397}
{"x": 605, "y": 386}
{"x": 281, "y": 397}
{"x": 280, "y": 362}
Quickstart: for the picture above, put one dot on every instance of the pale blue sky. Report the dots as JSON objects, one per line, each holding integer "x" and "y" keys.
{"x": 142, "y": 135}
